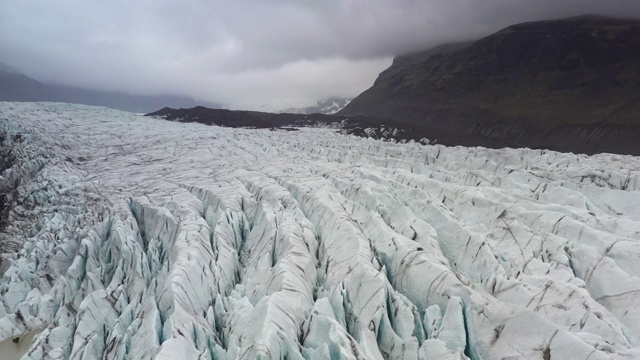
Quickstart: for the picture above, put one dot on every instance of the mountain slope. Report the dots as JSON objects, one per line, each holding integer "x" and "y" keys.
{"x": 15, "y": 86}
{"x": 571, "y": 85}
{"x": 328, "y": 106}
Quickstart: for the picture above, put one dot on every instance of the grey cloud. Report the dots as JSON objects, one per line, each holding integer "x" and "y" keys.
{"x": 249, "y": 51}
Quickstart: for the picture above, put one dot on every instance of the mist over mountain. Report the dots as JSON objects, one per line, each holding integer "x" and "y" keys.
{"x": 329, "y": 106}
{"x": 15, "y": 86}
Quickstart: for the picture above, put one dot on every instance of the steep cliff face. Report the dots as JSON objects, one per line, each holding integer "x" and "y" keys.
{"x": 527, "y": 83}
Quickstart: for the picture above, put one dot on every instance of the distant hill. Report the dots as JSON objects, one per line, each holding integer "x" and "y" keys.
{"x": 329, "y": 107}
{"x": 15, "y": 86}
{"x": 568, "y": 85}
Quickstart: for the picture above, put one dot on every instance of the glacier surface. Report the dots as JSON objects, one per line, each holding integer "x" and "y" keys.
{"x": 126, "y": 237}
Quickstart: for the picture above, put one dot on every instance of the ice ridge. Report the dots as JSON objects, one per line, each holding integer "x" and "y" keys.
{"x": 125, "y": 237}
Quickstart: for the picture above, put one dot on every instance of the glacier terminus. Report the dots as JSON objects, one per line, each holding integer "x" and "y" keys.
{"x": 128, "y": 237}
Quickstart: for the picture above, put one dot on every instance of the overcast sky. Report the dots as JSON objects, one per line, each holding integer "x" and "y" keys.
{"x": 249, "y": 53}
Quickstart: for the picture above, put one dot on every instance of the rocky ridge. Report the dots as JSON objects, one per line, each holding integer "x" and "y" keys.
{"x": 569, "y": 85}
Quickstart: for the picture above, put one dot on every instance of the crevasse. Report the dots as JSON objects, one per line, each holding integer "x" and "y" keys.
{"x": 125, "y": 237}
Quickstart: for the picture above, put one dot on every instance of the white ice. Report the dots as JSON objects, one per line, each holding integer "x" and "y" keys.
{"x": 141, "y": 238}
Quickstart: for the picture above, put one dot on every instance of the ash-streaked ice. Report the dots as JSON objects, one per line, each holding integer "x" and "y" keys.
{"x": 140, "y": 238}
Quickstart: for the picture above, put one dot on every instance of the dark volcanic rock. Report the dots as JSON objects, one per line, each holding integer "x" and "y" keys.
{"x": 568, "y": 85}
{"x": 352, "y": 125}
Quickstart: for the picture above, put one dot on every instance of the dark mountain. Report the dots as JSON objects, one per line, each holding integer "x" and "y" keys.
{"x": 15, "y": 86}
{"x": 567, "y": 85}
{"x": 328, "y": 106}
{"x": 352, "y": 125}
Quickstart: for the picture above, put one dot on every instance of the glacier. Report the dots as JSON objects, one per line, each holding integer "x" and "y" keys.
{"x": 127, "y": 237}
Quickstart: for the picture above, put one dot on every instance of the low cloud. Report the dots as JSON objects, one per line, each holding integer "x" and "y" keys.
{"x": 250, "y": 53}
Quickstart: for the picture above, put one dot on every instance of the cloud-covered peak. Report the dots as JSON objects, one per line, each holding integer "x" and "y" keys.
{"x": 249, "y": 52}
